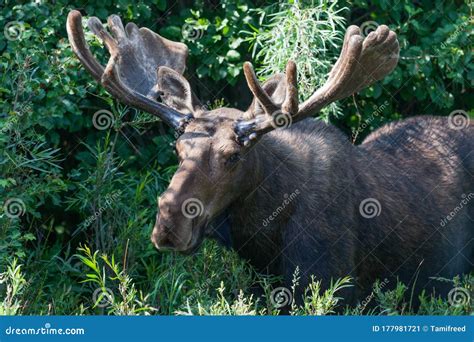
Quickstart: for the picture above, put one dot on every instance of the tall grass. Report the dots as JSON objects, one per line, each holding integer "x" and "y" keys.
{"x": 105, "y": 287}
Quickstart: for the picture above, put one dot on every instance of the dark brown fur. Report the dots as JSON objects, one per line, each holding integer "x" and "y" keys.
{"x": 418, "y": 169}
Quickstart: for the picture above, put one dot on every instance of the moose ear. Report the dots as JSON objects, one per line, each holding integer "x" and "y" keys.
{"x": 275, "y": 87}
{"x": 176, "y": 92}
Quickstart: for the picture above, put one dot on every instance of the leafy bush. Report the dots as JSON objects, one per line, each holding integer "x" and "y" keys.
{"x": 435, "y": 69}
{"x": 65, "y": 183}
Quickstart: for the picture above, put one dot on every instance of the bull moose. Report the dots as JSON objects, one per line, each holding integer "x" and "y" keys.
{"x": 296, "y": 191}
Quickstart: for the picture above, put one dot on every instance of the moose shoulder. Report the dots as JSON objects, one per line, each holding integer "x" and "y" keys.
{"x": 297, "y": 193}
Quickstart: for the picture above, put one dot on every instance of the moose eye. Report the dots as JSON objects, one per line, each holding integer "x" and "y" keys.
{"x": 233, "y": 158}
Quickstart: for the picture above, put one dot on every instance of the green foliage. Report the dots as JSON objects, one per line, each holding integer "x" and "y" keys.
{"x": 223, "y": 306}
{"x": 129, "y": 302}
{"x": 14, "y": 284}
{"x": 435, "y": 69}
{"x": 213, "y": 34}
{"x": 65, "y": 184}
{"x": 317, "y": 302}
{"x": 308, "y": 33}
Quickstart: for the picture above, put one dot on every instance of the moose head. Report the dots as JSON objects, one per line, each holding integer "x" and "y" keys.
{"x": 214, "y": 146}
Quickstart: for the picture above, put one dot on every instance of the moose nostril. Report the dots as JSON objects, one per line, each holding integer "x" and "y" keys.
{"x": 161, "y": 237}
{"x": 166, "y": 243}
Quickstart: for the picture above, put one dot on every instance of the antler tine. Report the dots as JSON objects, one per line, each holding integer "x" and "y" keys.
{"x": 254, "y": 85}
{"x": 361, "y": 63}
{"x": 273, "y": 111}
{"x": 111, "y": 76}
{"x": 290, "y": 104}
{"x": 80, "y": 47}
